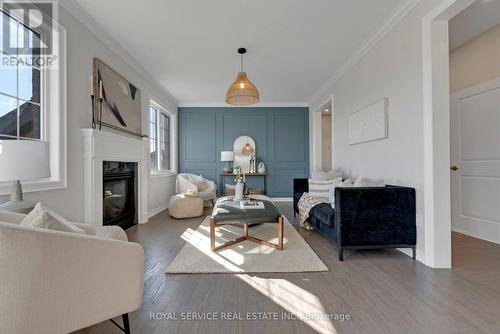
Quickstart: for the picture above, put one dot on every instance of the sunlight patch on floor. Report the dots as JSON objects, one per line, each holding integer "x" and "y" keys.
{"x": 202, "y": 242}
{"x": 228, "y": 257}
{"x": 293, "y": 299}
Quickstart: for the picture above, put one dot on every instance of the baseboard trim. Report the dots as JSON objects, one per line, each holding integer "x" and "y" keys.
{"x": 408, "y": 251}
{"x": 475, "y": 235}
{"x": 157, "y": 210}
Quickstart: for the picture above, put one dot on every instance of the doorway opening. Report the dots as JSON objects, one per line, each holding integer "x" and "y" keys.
{"x": 474, "y": 130}
{"x": 437, "y": 130}
{"x": 322, "y": 137}
{"x": 326, "y": 138}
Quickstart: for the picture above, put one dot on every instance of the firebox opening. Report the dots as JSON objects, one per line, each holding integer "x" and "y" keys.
{"x": 119, "y": 193}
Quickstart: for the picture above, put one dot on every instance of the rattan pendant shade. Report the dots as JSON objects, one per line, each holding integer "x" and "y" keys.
{"x": 242, "y": 91}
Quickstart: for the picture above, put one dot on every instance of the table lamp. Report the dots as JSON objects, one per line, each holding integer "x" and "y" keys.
{"x": 227, "y": 156}
{"x": 22, "y": 160}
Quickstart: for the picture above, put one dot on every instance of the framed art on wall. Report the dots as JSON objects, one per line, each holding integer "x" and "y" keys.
{"x": 121, "y": 100}
{"x": 369, "y": 123}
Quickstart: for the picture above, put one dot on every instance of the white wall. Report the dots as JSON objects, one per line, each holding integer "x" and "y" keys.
{"x": 161, "y": 188}
{"x": 391, "y": 68}
{"x": 82, "y": 46}
{"x": 476, "y": 62}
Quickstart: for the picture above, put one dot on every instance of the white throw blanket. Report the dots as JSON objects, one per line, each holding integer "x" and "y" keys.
{"x": 306, "y": 203}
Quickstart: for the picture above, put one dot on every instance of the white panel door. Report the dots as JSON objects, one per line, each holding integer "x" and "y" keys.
{"x": 475, "y": 152}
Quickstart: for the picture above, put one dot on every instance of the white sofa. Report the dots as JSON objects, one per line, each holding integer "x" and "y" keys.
{"x": 187, "y": 181}
{"x": 59, "y": 282}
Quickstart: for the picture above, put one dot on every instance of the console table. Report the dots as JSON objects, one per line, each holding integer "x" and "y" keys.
{"x": 224, "y": 175}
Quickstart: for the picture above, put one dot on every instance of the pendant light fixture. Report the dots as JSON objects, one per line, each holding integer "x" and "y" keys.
{"x": 242, "y": 91}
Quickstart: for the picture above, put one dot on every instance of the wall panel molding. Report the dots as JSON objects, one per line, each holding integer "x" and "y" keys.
{"x": 196, "y": 144}
{"x": 281, "y": 135}
{"x": 294, "y": 149}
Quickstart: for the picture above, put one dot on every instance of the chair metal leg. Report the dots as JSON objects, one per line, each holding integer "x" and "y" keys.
{"x": 281, "y": 221}
{"x": 414, "y": 249}
{"x": 341, "y": 254}
{"x": 126, "y": 324}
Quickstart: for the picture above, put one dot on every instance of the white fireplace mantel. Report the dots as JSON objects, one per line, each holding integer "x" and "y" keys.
{"x": 102, "y": 146}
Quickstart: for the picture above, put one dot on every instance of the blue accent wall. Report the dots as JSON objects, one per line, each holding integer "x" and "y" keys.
{"x": 281, "y": 136}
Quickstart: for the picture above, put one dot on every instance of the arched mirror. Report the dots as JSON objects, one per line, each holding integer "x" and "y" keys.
{"x": 244, "y": 149}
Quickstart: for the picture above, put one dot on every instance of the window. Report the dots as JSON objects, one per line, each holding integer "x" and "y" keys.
{"x": 20, "y": 90}
{"x": 165, "y": 142}
{"x": 33, "y": 98}
{"x": 160, "y": 139}
{"x": 153, "y": 138}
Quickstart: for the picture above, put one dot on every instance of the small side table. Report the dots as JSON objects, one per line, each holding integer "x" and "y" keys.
{"x": 224, "y": 175}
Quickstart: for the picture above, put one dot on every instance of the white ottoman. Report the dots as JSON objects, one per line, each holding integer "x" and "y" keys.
{"x": 182, "y": 206}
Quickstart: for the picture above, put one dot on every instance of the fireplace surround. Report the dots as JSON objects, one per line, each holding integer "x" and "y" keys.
{"x": 101, "y": 146}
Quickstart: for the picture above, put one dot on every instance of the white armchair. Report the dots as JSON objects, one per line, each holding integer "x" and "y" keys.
{"x": 59, "y": 282}
{"x": 205, "y": 189}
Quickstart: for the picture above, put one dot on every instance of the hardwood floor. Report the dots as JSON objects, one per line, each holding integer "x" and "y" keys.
{"x": 383, "y": 291}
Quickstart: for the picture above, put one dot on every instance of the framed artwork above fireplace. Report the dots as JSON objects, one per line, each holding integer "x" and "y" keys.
{"x": 121, "y": 100}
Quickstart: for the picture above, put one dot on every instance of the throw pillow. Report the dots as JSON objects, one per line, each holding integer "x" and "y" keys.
{"x": 321, "y": 188}
{"x": 331, "y": 192}
{"x": 320, "y": 175}
{"x": 347, "y": 183}
{"x": 366, "y": 182}
{"x": 43, "y": 217}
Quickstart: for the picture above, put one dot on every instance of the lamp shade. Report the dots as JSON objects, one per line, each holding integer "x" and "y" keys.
{"x": 24, "y": 160}
{"x": 242, "y": 91}
{"x": 226, "y": 156}
{"x": 247, "y": 149}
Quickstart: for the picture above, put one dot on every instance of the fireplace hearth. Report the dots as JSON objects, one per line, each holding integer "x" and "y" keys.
{"x": 119, "y": 183}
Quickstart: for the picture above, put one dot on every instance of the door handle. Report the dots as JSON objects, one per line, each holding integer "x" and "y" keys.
{"x": 453, "y": 168}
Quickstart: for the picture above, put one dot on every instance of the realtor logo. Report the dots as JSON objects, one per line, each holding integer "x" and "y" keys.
{"x": 27, "y": 27}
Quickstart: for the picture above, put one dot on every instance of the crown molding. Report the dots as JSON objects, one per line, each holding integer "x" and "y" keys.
{"x": 258, "y": 105}
{"x": 82, "y": 16}
{"x": 396, "y": 16}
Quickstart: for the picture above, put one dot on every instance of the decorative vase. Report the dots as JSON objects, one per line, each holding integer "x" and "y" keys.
{"x": 252, "y": 164}
{"x": 262, "y": 168}
{"x": 238, "y": 191}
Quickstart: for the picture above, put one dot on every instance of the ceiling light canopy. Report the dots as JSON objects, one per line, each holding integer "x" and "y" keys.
{"x": 242, "y": 91}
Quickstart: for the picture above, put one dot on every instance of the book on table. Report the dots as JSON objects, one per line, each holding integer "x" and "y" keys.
{"x": 246, "y": 204}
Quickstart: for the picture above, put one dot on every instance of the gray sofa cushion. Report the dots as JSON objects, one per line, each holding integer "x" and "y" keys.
{"x": 229, "y": 212}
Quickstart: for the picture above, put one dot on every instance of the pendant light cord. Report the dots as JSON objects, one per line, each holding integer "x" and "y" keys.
{"x": 241, "y": 65}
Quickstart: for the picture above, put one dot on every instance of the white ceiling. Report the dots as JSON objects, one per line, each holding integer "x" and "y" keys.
{"x": 294, "y": 46}
{"x": 476, "y": 19}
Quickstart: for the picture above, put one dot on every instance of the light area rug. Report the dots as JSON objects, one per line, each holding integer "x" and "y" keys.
{"x": 246, "y": 257}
